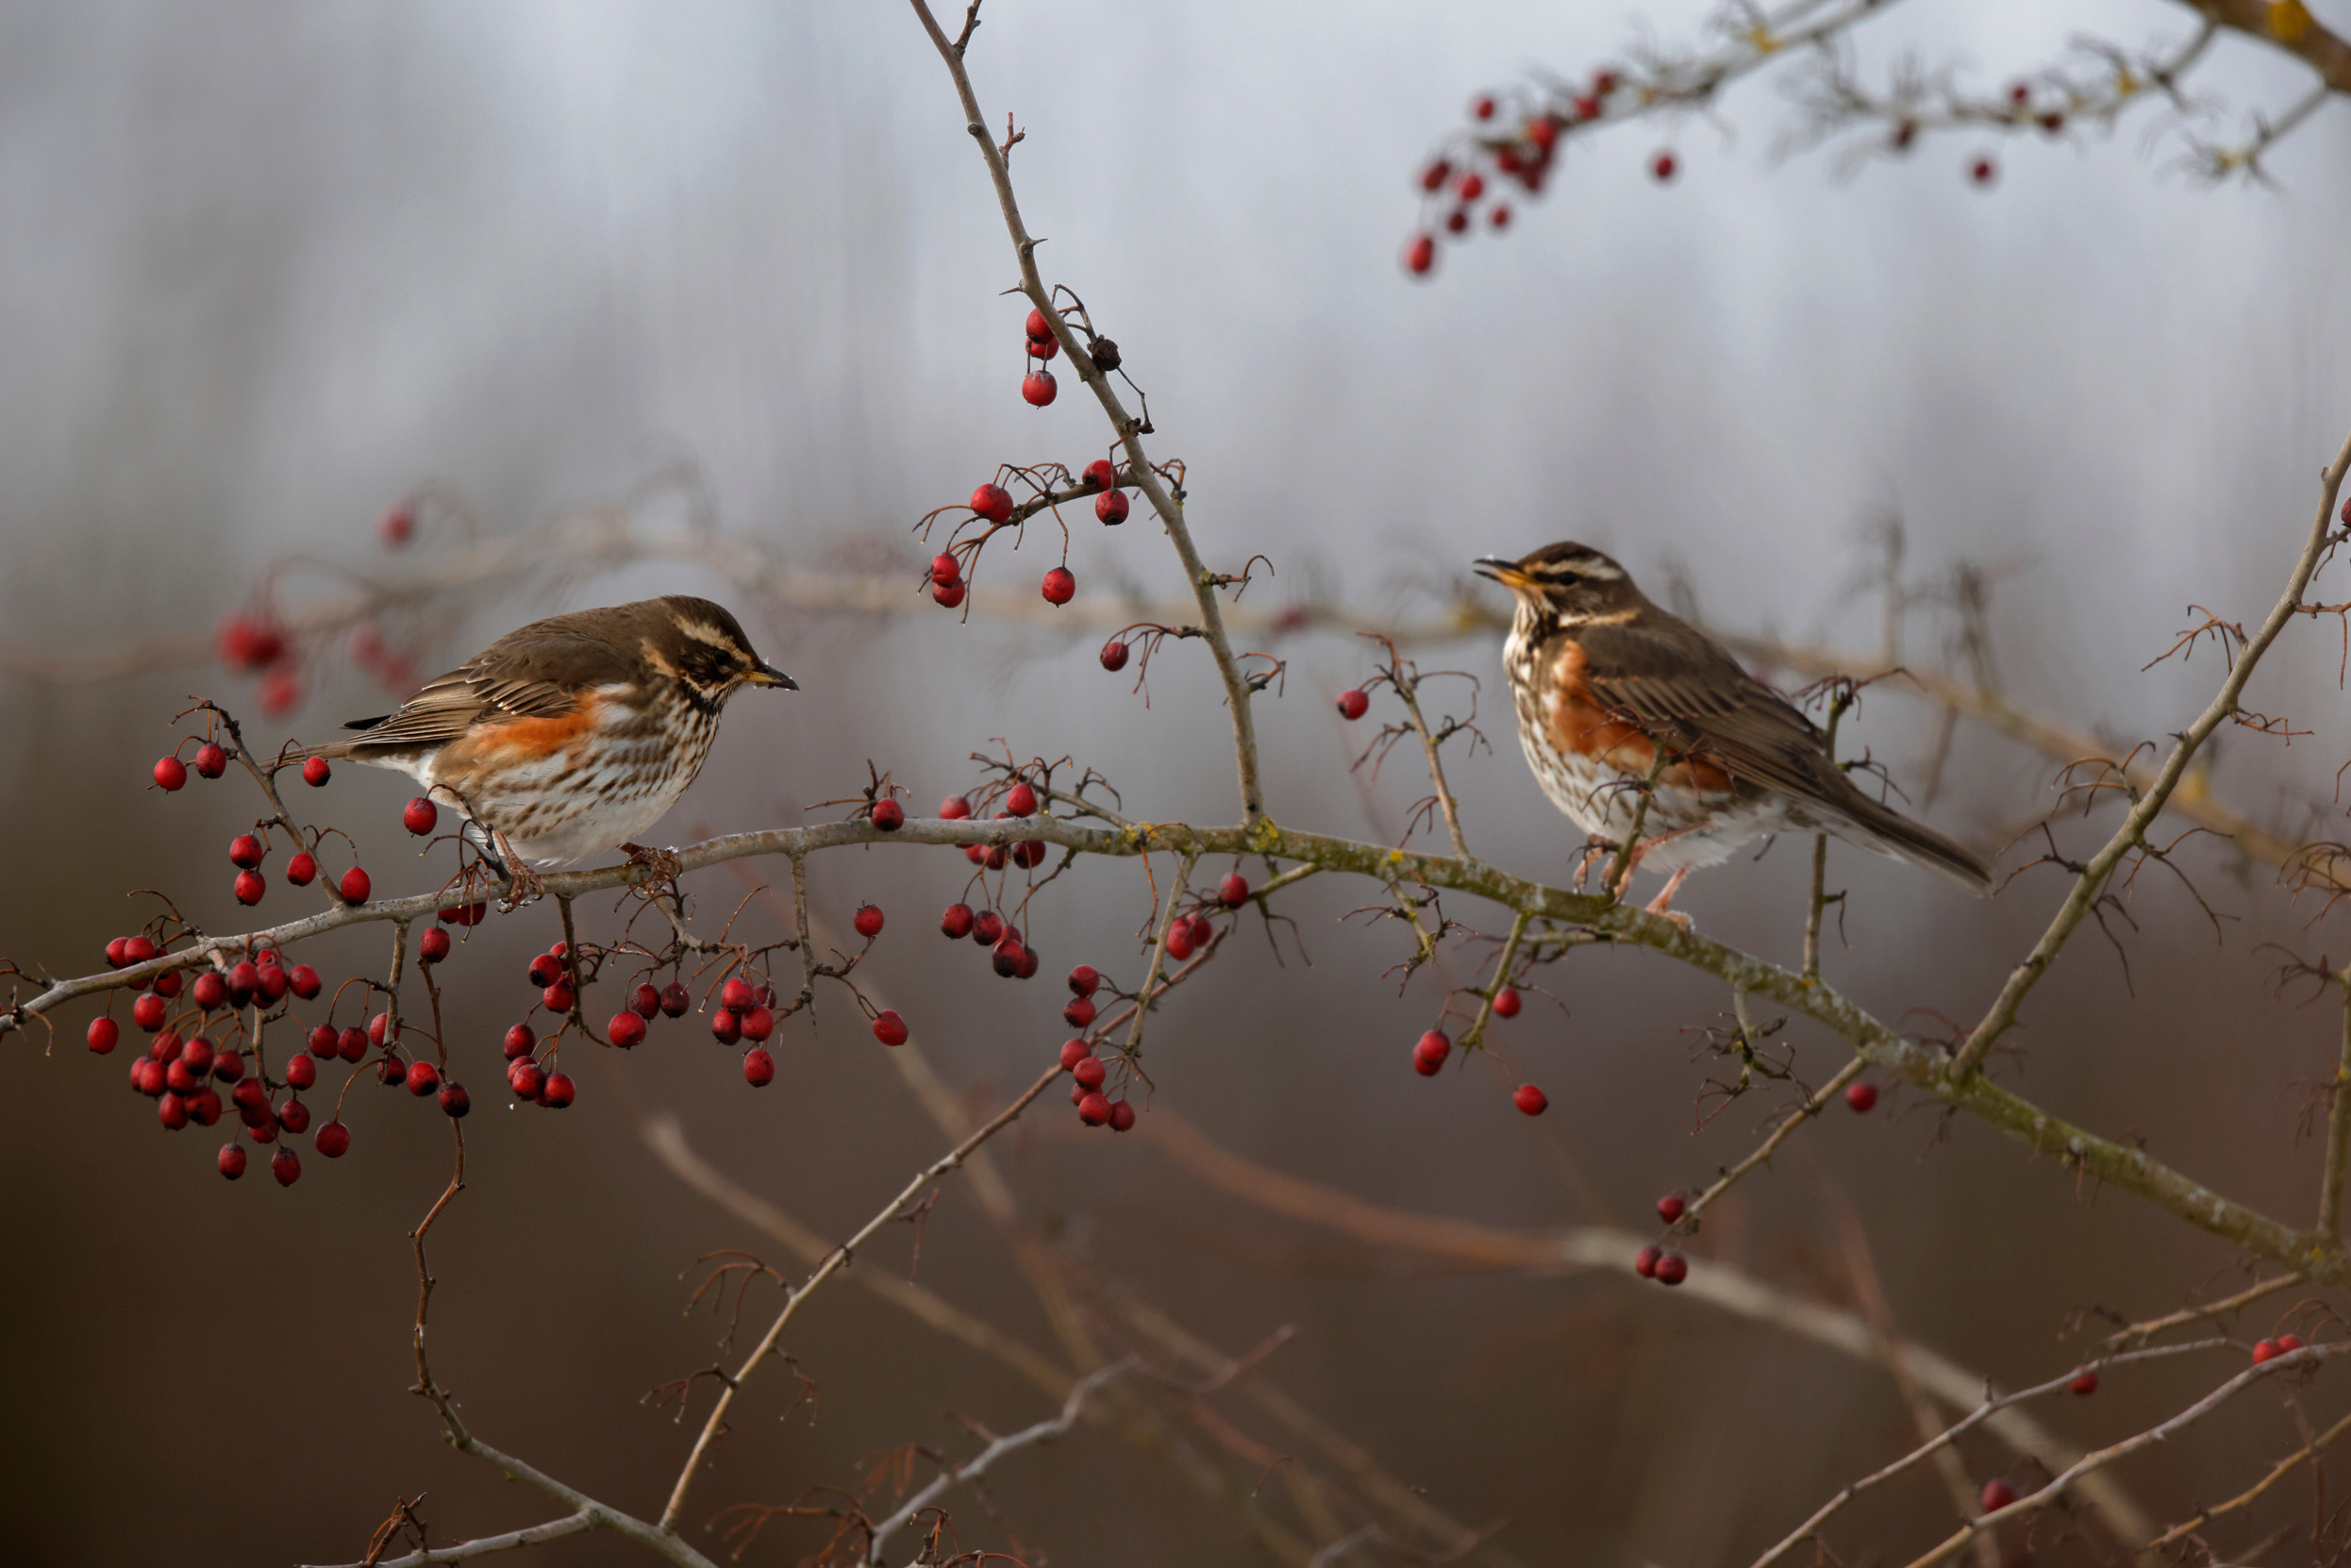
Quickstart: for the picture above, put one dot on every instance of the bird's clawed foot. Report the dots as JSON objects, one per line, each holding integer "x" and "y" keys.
{"x": 526, "y": 883}
{"x": 1661, "y": 904}
{"x": 663, "y": 863}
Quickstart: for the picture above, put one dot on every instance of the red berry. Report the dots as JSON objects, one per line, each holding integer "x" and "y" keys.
{"x": 456, "y": 1102}
{"x": 230, "y": 1162}
{"x": 2084, "y": 1383}
{"x": 525, "y": 1079}
{"x": 2288, "y": 1342}
{"x": 281, "y": 692}
{"x": 1997, "y": 1495}
{"x": 351, "y": 1045}
{"x": 1202, "y": 932}
{"x": 295, "y": 1116}
{"x": 171, "y": 774}
{"x": 1645, "y": 1265}
{"x": 1433, "y": 177}
{"x": 304, "y": 981}
{"x": 1078, "y": 1013}
{"x": 229, "y": 1067}
{"x": 1672, "y": 1269}
{"x": 519, "y": 1041}
{"x": 244, "y": 851}
{"x": 137, "y": 950}
{"x": 626, "y": 1031}
{"x": 1862, "y": 1097}
{"x": 211, "y": 761}
{"x": 992, "y": 502}
{"x": 204, "y": 1107}
{"x": 1457, "y": 221}
{"x": 1099, "y": 474}
{"x": 1093, "y": 1110}
{"x": 1662, "y": 167}
{"x": 1021, "y": 800}
{"x": 987, "y": 928}
{"x": 644, "y": 1001}
{"x": 2265, "y": 1351}
{"x": 954, "y": 809}
{"x": 1179, "y": 941}
{"x": 210, "y": 992}
{"x": 1110, "y": 508}
{"x": 1085, "y": 979}
{"x": 302, "y": 868}
{"x": 1983, "y": 171}
{"x": 558, "y": 997}
{"x": 285, "y": 1165}
{"x": 1352, "y": 705}
{"x": 889, "y": 1028}
{"x": 433, "y": 946}
{"x": 147, "y": 1012}
{"x": 322, "y": 1042}
{"x": 177, "y": 1078}
{"x": 956, "y": 922}
{"x": 1114, "y": 656}
{"x": 1043, "y": 348}
{"x": 1531, "y": 1100}
{"x": 355, "y": 886}
{"x": 888, "y": 815}
{"x": 244, "y": 979}
{"x": 868, "y": 922}
{"x": 1038, "y": 327}
{"x": 737, "y": 994}
{"x": 420, "y": 816}
{"x": 1073, "y": 1052}
{"x": 397, "y": 525}
{"x": 1233, "y": 891}
{"x": 1121, "y": 1116}
{"x": 423, "y": 1078}
{"x": 1060, "y": 586}
{"x": 545, "y": 970}
{"x": 104, "y": 1035}
{"x": 945, "y": 569}
{"x": 1089, "y": 1072}
{"x": 949, "y": 595}
{"x": 1005, "y": 956}
{"x": 1429, "y": 1054}
{"x": 758, "y": 1069}
{"x": 301, "y": 1072}
{"x": 676, "y": 1000}
{"x": 115, "y": 954}
{"x": 725, "y": 1027}
{"x": 1038, "y": 387}
{"x": 249, "y": 645}
{"x": 757, "y": 1024}
{"x": 166, "y": 984}
{"x": 315, "y": 772}
{"x": 1671, "y": 1208}
{"x": 1482, "y": 109}
{"x": 1507, "y": 1002}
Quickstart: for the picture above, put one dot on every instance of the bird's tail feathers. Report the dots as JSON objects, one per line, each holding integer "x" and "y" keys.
{"x": 1889, "y": 832}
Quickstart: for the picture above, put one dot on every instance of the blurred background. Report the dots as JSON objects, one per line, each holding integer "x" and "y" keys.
{"x": 266, "y": 268}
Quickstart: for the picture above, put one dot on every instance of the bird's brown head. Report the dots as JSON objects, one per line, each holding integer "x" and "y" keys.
{"x": 1563, "y": 584}
{"x": 703, "y": 647}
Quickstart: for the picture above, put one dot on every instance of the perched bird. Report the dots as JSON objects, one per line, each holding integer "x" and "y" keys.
{"x": 572, "y": 735}
{"x": 1602, "y": 679}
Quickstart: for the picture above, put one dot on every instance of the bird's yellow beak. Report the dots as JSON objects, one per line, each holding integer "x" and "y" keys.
{"x": 1504, "y": 572}
{"x": 767, "y": 674}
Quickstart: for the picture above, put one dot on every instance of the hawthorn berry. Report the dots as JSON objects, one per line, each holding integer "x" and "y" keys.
{"x": 626, "y": 1031}
{"x": 1093, "y": 1110}
{"x": 1471, "y": 187}
{"x": 166, "y": 984}
{"x": 644, "y": 1001}
{"x": 1482, "y": 109}
{"x": 1997, "y": 1495}
{"x": 1037, "y": 327}
{"x": 1862, "y": 1097}
{"x": 890, "y": 1029}
{"x": 1021, "y": 800}
{"x": 957, "y": 922}
{"x": 519, "y": 1042}
{"x": 230, "y": 1162}
{"x": 211, "y": 761}
{"x": 737, "y": 994}
{"x": 992, "y": 502}
{"x": 104, "y": 1035}
{"x": 725, "y": 1027}
{"x": 295, "y": 1116}
{"x": 1110, "y": 508}
{"x": 1983, "y": 171}
{"x": 433, "y": 946}
{"x": 1085, "y": 979}
{"x": 1500, "y": 216}
{"x": 115, "y": 957}
{"x": 301, "y": 1072}
{"x": 1429, "y": 1053}
{"x": 244, "y": 979}
{"x": 558, "y": 997}
{"x": 1531, "y": 1100}
{"x": 757, "y": 1024}
{"x": 229, "y": 1067}
{"x": 1457, "y": 221}
{"x": 177, "y": 1078}
{"x": 137, "y": 950}
{"x": 1179, "y": 940}
{"x": 1233, "y": 891}
{"x": 1089, "y": 1072}
{"x": 323, "y": 1043}
{"x": 1419, "y": 255}
{"x": 1079, "y": 1012}
{"x": 304, "y": 981}
{"x": 1662, "y": 167}
{"x": 355, "y": 886}
{"x": 2266, "y": 1350}
{"x": 888, "y": 815}
{"x": 1121, "y": 1116}
{"x": 210, "y": 990}
{"x": 1038, "y": 387}
{"x": 147, "y": 1012}
{"x": 286, "y": 1166}
{"x": 868, "y": 922}
{"x": 1073, "y": 1052}
{"x": 1507, "y": 1002}
{"x": 1005, "y": 955}
{"x": 944, "y": 568}
{"x": 1114, "y": 656}
{"x": 423, "y": 1078}
{"x": 147, "y": 1075}
{"x": 302, "y": 870}
{"x": 1060, "y": 586}
{"x": 171, "y": 774}
{"x": 1645, "y": 1265}
{"x": 2287, "y": 1342}
{"x": 204, "y": 1107}
{"x": 1433, "y": 177}
{"x": 1202, "y": 932}
{"x": 987, "y": 928}
{"x": 420, "y": 816}
{"x": 454, "y": 1101}
{"x": 1672, "y": 1269}
{"x": 1101, "y": 474}
{"x": 1043, "y": 348}
{"x": 1671, "y": 1208}
{"x": 759, "y": 1068}
{"x": 954, "y": 809}
{"x": 545, "y": 970}
{"x": 351, "y": 1045}
{"x": 1352, "y": 705}
{"x": 2084, "y": 1383}
{"x": 676, "y": 1000}
{"x": 315, "y": 772}
{"x": 245, "y": 851}
{"x": 525, "y": 1079}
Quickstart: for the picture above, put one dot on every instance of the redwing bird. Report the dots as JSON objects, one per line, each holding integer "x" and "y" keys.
{"x": 1602, "y": 680}
{"x": 572, "y": 735}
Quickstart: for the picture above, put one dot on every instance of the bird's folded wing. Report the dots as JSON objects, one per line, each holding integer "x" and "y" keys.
{"x": 1698, "y": 696}
{"x": 452, "y": 704}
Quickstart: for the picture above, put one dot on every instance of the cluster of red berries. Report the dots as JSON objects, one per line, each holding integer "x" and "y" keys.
{"x": 1089, "y": 1077}
{"x": 992, "y": 504}
{"x": 1038, "y": 387}
{"x": 1430, "y": 1052}
{"x": 1020, "y": 801}
{"x": 2269, "y": 1350}
{"x": 247, "y": 851}
{"x": 255, "y": 644}
{"x": 1666, "y": 1268}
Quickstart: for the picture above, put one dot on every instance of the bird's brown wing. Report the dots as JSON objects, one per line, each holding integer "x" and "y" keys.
{"x": 1692, "y": 696}
{"x": 534, "y": 672}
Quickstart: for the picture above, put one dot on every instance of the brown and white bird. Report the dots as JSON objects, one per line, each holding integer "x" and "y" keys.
{"x": 572, "y": 735}
{"x": 1602, "y": 680}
